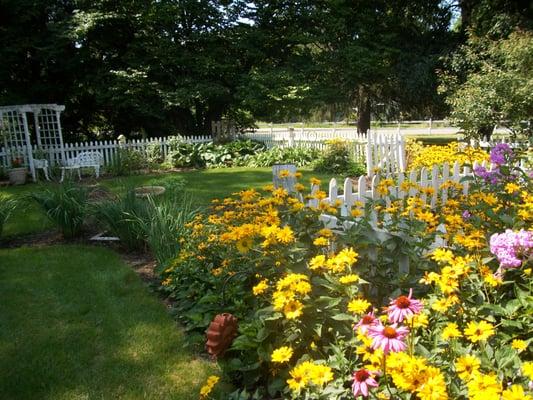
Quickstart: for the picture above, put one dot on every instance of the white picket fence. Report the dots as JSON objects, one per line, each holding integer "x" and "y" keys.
{"x": 385, "y": 152}
{"x": 108, "y": 148}
{"x": 364, "y": 189}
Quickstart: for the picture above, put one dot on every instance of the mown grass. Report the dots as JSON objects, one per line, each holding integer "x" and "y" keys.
{"x": 77, "y": 323}
{"x": 202, "y": 185}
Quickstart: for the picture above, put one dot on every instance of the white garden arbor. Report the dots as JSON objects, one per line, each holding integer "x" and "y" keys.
{"x": 22, "y": 134}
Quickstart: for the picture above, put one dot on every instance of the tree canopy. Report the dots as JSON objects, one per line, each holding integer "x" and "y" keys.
{"x": 162, "y": 67}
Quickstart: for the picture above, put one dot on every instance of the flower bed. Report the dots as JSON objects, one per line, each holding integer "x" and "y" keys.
{"x": 324, "y": 315}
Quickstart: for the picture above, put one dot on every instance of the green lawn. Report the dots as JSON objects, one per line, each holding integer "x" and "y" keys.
{"x": 77, "y": 323}
{"x": 203, "y": 185}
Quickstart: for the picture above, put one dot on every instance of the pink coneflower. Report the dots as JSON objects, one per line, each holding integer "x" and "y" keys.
{"x": 403, "y": 307}
{"x": 388, "y": 338}
{"x": 366, "y": 322}
{"x": 362, "y": 380}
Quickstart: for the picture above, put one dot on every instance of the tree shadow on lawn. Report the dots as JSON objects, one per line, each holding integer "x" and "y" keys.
{"x": 75, "y": 323}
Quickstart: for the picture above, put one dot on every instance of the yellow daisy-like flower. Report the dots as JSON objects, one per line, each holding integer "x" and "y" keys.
{"x": 244, "y": 245}
{"x": 442, "y": 255}
{"x": 519, "y": 345}
{"x": 356, "y": 212}
{"x": 476, "y": 331}
{"x": 285, "y": 235}
{"x": 527, "y": 369}
{"x": 282, "y": 355}
{"x": 511, "y": 188}
{"x": 293, "y": 309}
{"x": 260, "y": 288}
{"x": 315, "y": 181}
{"x": 451, "y": 331}
{"x": 321, "y": 241}
{"x": 358, "y": 306}
{"x": 347, "y": 279}
{"x": 208, "y": 387}
{"x": 466, "y": 367}
{"x": 515, "y": 392}
{"x": 321, "y": 374}
{"x": 484, "y": 387}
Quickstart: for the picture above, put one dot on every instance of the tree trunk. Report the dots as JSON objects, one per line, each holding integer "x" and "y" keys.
{"x": 363, "y": 112}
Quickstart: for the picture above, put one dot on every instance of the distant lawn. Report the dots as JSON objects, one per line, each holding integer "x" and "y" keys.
{"x": 203, "y": 185}
{"x": 77, "y": 323}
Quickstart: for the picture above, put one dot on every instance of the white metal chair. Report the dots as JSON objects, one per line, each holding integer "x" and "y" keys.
{"x": 87, "y": 159}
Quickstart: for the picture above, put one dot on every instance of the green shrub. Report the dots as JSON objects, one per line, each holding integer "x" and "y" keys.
{"x": 337, "y": 159}
{"x": 300, "y": 156}
{"x": 7, "y": 206}
{"x": 127, "y": 161}
{"x": 66, "y": 206}
{"x": 209, "y": 155}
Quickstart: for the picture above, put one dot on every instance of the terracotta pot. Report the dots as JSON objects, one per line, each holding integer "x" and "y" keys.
{"x": 17, "y": 176}
{"x": 220, "y": 334}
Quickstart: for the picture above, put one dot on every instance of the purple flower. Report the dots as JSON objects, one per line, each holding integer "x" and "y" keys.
{"x": 466, "y": 215}
{"x": 493, "y": 177}
{"x": 498, "y": 154}
{"x": 511, "y": 248}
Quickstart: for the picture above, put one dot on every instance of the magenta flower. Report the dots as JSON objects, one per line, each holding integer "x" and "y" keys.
{"x": 367, "y": 321}
{"x": 388, "y": 338}
{"x": 362, "y": 380}
{"x": 403, "y": 307}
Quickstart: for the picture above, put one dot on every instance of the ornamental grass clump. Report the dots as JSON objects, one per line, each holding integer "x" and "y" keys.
{"x": 66, "y": 206}
{"x": 7, "y": 206}
{"x": 330, "y": 315}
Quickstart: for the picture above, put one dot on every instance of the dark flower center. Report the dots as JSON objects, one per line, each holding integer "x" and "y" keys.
{"x": 389, "y": 332}
{"x": 403, "y": 302}
{"x": 362, "y": 375}
{"x": 367, "y": 319}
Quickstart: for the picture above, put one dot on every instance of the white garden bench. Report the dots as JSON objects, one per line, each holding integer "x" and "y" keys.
{"x": 87, "y": 159}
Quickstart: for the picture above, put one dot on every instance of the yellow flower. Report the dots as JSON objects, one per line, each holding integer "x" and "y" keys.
{"x": 442, "y": 255}
{"x": 284, "y": 173}
{"x": 325, "y": 232}
{"x": 511, "y": 188}
{"x": 260, "y": 288}
{"x": 293, "y": 309}
{"x": 484, "y": 387}
{"x": 356, "y": 212}
{"x": 285, "y": 235}
{"x": 417, "y": 320}
{"x": 450, "y": 331}
{"x": 208, "y": 387}
{"x": 519, "y": 345}
{"x": 244, "y": 245}
{"x": 476, "y": 331}
{"x": 358, "y": 306}
{"x": 466, "y": 366}
{"x": 527, "y": 369}
{"x": 347, "y": 279}
{"x": 321, "y": 241}
{"x": 317, "y": 262}
{"x": 281, "y": 355}
{"x": 321, "y": 374}
{"x": 515, "y": 392}
{"x": 315, "y": 181}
